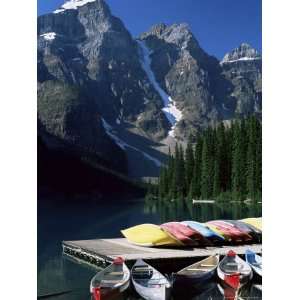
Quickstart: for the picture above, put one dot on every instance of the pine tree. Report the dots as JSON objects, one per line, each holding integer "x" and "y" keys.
{"x": 162, "y": 187}
{"x": 189, "y": 163}
{"x": 236, "y": 159}
{"x": 182, "y": 176}
{"x": 243, "y": 145}
{"x": 239, "y": 151}
{"x": 207, "y": 167}
{"x": 252, "y": 130}
{"x": 258, "y": 165}
{"x": 217, "y": 177}
{"x": 178, "y": 185}
{"x": 197, "y": 168}
{"x": 223, "y": 157}
{"x": 193, "y": 188}
{"x": 170, "y": 174}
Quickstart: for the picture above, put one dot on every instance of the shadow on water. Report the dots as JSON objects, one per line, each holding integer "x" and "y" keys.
{"x": 58, "y": 221}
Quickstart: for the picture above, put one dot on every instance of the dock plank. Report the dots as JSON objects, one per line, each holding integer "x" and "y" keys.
{"x": 108, "y": 249}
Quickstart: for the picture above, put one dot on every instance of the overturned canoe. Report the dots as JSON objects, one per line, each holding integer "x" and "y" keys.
{"x": 180, "y": 232}
{"x": 149, "y": 235}
{"x": 217, "y": 230}
{"x": 256, "y": 222}
{"x": 149, "y": 282}
{"x": 231, "y": 231}
{"x": 205, "y": 231}
{"x": 249, "y": 229}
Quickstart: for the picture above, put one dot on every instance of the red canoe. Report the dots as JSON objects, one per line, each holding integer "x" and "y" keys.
{"x": 183, "y": 233}
{"x": 231, "y": 231}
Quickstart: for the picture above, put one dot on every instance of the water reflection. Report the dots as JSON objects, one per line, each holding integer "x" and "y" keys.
{"x": 216, "y": 291}
{"x": 202, "y": 212}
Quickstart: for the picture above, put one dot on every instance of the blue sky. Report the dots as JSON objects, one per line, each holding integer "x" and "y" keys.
{"x": 219, "y": 25}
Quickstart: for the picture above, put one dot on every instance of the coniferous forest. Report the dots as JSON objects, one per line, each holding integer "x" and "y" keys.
{"x": 221, "y": 164}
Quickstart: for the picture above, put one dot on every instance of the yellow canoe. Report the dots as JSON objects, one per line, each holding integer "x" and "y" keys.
{"x": 216, "y": 230}
{"x": 149, "y": 235}
{"x": 256, "y": 222}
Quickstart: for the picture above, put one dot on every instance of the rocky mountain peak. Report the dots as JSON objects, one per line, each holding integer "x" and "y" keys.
{"x": 77, "y": 19}
{"x": 242, "y": 53}
{"x": 178, "y": 34}
{"x": 156, "y": 29}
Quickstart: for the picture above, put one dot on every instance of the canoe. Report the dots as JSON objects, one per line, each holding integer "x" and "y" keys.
{"x": 231, "y": 231}
{"x": 197, "y": 273}
{"x": 249, "y": 229}
{"x": 255, "y": 262}
{"x": 256, "y": 222}
{"x": 191, "y": 233}
{"x": 217, "y": 230}
{"x": 149, "y": 283}
{"x": 205, "y": 231}
{"x": 180, "y": 232}
{"x": 234, "y": 271}
{"x": 149, "y": 235}
{"x": 114, "y": 278}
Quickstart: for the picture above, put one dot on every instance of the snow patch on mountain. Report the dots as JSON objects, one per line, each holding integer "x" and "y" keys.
{"x": 242, "y": 53}
{"x": 72, "y": 4}
{"x": 49, "y": 36}
{"x": 170, "y": 110}
{"x": 240, "y": 59}
{"x": 110, "y": 132}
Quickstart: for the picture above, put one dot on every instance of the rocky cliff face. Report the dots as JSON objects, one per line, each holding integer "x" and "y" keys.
{"x": 205, "y": 90}
{"x": 188, "y": 74}
{"x": 120, "y": 99}
{"x": 242, "y": 67}
{"x": 89, "y": 70}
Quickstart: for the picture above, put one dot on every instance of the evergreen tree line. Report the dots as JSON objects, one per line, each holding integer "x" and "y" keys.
{"x": 222, "y": 163}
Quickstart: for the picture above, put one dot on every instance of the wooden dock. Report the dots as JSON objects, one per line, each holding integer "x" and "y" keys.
{"x": 103, "y": 251}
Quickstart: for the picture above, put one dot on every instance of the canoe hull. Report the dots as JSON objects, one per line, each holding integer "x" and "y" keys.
{"x": 183, "y": 280}
{"x": 232, "y": 232}
{"x": 162, "y": 293}
{"x": 112, "y": 280}
{"x": 255, "y": 262}
{"x": 256, "y": 222}
{"x": 198, "y": 273}
{"x": 252, "y": 231}
{"x": 239, "y": 277}
{"x": 149, "y": 235}
{"x": 178, "y": 232}
{"x": 243, "y": 279}
{"x": 149, "y": 283}
{"x": 210, "y": 235}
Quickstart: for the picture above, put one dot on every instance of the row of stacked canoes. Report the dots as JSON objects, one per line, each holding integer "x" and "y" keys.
{"x": 193, "y": 234}
{"x": 150, "y": 284}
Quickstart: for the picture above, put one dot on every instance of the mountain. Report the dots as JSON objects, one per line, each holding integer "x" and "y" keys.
{"x": 120, "y": 102}
{"x": 242, "y": 67}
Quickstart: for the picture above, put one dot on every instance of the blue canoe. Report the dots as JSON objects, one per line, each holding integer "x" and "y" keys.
{"x": 255, "y": 261}
{"x": 205, "y": 231}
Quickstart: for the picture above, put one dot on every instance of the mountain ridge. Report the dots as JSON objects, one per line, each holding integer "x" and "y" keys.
{"x": 150, "y": 99}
